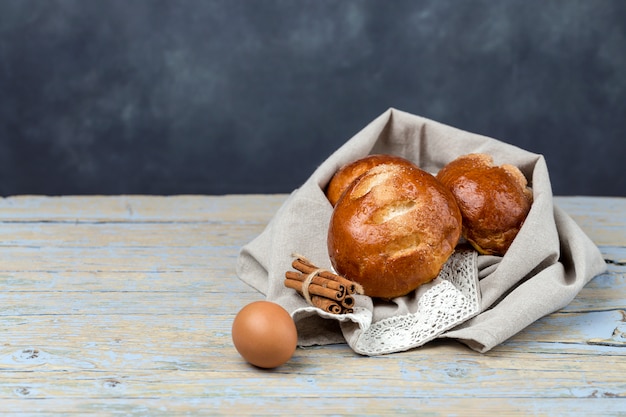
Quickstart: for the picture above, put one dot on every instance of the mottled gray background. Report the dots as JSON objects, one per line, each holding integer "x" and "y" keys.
{"x": 213, "y": 97}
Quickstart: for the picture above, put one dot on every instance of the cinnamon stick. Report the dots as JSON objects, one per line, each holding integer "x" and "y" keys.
{"x": 327, "y": 305}
{"x": 324, "y": 303}
{"x": 324, "y": 289}
{"x": 303, "y": 265}
{"x": 347, "y": 301}
{"x": 317, "y": 280}
{"x": 315, "y": 290}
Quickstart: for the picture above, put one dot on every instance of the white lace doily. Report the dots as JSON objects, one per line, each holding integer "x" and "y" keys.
{"x": 453, "y": 297}
{"x": 449, "y": 300}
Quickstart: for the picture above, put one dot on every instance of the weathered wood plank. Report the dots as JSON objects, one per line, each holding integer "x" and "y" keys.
{"x": 592, "y": 213}
{"x": 442, "y": 370}
{"x": 195, "y": 342}
{"x": 229, "y": 405}
{"x": 122, "y": 235}
{"x": 133, "y": 208}
{"x": 123, "y": 306}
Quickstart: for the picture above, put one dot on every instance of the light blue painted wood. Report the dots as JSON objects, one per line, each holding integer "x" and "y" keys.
{"x": 123, "y": 306}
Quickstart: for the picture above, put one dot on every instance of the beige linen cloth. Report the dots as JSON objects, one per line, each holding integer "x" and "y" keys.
{"x": 549, "y": 262}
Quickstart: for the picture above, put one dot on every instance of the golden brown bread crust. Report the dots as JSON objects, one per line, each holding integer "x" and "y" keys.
{"x": 350, "y": 172}
{"x": 494, "y": 200}
{"x": 393, "y": 229}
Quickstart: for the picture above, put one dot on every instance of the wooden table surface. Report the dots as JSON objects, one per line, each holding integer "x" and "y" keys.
{"x": 123, "y": 305}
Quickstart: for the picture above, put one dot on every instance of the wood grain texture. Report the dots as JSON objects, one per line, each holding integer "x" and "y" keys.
{"x": 123, "y": 306}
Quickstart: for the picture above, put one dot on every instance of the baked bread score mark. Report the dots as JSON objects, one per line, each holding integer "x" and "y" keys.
{"x": 393, "y": 227}
{"x": 347, "y": 174}
{"x": 494, "y": 200}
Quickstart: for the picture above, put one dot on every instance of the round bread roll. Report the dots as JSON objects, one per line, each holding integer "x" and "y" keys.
{"x": 494, "y": 200}
{"x": 350, "y": 172}
{"x": 393, "y": 229}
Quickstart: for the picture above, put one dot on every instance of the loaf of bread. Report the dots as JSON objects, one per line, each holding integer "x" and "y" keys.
{"x": 494, "y": 200}
{"x": 393, "y": 228}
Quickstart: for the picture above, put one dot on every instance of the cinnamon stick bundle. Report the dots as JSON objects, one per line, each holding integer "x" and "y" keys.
{"x": 322, "y": 288}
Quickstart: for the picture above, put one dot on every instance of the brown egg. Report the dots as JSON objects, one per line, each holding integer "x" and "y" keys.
{"x": 264, "y": 334}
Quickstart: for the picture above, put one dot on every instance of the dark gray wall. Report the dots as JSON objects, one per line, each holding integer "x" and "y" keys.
{"x": 204, "y": 96}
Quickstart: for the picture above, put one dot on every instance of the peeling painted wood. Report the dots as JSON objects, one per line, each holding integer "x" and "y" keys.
{"x": 122, "y": 305}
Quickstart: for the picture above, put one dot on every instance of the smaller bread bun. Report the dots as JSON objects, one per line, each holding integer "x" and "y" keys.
{"x": 350, "y": 172}
{"x": 494, "y": 200}
{"x": 393, "y": 229}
